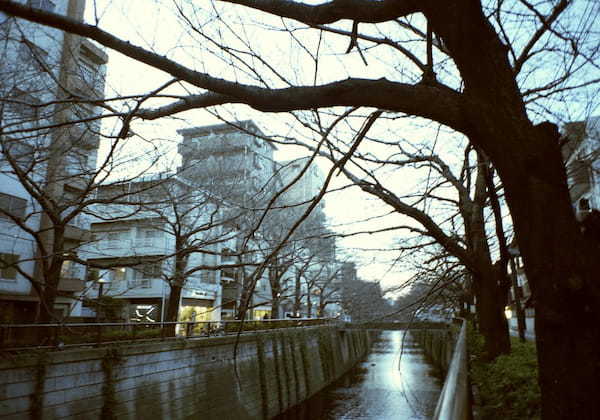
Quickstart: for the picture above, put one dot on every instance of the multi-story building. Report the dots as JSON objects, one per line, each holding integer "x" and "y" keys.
{"x": 48, "y": 82}
{"x": 232, "y": 161}
{"x": 235, "y": 164}
{"x": 581, "y": 156}
{"x": 306, "y": 187}
{"x": 155, "y": 224}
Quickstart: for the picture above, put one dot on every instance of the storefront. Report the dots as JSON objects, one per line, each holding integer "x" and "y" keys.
{"x": 195, "y": 310}
{"x": 144, "y": 310}
{"x": 261, "y": 312}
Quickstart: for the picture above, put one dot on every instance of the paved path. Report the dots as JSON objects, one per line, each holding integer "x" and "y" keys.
{"x": 529, "y": 335}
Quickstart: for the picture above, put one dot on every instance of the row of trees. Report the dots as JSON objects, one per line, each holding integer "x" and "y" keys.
{"x": 477, "y": 68}
{"x": 50, "y": 134}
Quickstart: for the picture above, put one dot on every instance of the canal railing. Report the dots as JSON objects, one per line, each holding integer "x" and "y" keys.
{"x": 454, "y": 401}
{"x": 15, "y": 337}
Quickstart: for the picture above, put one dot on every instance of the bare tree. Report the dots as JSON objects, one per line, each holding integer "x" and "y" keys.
{"x": 484, "y": 76}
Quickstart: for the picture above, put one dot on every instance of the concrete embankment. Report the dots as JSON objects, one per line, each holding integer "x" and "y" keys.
{"x": 447, "y": 348}
{"x": 211, "y": 378}
{"x": 438, "y": 345}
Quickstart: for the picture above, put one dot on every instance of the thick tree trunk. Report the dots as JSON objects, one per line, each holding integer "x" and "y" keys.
{"x": 561, "y": 264}
{"x": 297, "y": 295}
{"x": 493, "y": 326}
{"x": 176, "y": 286}
{"x": 51, "y": 279}
{"x": 50, "y": 267}
{"x": 490, "y": 299}
{"x": 45, "y": 315}
{"x": 275, "y": 307}
{"x": 245, "y": 298}
{"x": 172, "y": 310}
{"x": 562, "y": 267}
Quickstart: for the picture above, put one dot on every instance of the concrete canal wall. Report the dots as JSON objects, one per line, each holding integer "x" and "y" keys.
{"x": 268, "y": 373}
{"x": 447, "y": 348}
{"x": 438, "y": 345}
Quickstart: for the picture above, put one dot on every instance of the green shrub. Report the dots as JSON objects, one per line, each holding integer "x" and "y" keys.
{"x": 507, "y": 386}
{"x": 91, "y": 335}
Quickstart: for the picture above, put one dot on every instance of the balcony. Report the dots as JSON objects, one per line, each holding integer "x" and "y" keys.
{"x": 580, "y": 175}
{"x": 71, "y": 284}
{"x": 76, "y": 233}
{"x": 230, "y": 292}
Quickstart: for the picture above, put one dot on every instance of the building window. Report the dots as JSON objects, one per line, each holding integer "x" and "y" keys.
{"x": 142, "y": 275}
{"x": 45, "y": 5}
{"x": 89, "y": 73}
{"x": 208, "y": 277}
{"x": 32, "y": 56}
{"x": 77, "y": 162}
{"x": 92, "y": 274}
{"x": 20, "y": 105}
{"x": 20, "y": 153}
{"x": 148, "y": 237}
{"x": 12, "y": 206}
{"x": 66, "y": 271}
{"x": 116, "y": 239}
{"x": 113, "y": 192}
{"x": 8, "y": 263}
{"x": 119, "y": 274}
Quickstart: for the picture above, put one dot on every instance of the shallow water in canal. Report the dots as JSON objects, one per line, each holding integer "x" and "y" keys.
{"x": 393, "y": 382}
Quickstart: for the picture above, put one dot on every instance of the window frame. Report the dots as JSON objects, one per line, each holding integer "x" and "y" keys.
{"x": 9, "y": 267}
{"x": 45, "y": 5}
{"x": 12, "y": 199}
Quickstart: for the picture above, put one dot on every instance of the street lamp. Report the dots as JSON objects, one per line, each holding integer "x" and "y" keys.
{"x": 101, "y": 281}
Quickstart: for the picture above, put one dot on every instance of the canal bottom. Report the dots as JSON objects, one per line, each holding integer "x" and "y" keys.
{"x": 394, "y": 382}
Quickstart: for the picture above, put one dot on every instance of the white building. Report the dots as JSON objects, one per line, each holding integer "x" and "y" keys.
{"x": 236, "y": 165}
{"x": 32, "y": 60}
{"x": 137, "y": 240}
{"x": 307, "y": 186}
{"x": 581, "y": 154}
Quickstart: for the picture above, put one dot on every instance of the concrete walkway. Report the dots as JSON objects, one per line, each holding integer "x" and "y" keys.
{"x": 529, "y": 335}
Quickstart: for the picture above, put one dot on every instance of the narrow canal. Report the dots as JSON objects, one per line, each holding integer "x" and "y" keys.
{"x": 394, "y": 382}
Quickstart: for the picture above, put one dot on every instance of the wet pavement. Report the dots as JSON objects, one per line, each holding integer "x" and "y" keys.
{"x": 394, "y": 382}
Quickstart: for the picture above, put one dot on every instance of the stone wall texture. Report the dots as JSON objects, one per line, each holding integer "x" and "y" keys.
{"x": 256, "y": 376}
{"x": 438, "y": 345}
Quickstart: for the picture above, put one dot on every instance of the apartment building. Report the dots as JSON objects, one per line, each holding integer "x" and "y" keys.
{"x": 48, "y": 81}
{"x": 236, "y": 165}
{"x": 581, "y": 156}
{"x": 154, "y": 225}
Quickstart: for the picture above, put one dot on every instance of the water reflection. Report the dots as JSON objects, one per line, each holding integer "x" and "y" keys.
{"x": 394, "y": 382}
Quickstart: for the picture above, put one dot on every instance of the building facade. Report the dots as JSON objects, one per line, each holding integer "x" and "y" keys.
{"x": 48, "y": 83}
{"x": 235, "y": 164}
{"x": 580, "y": 153}
{"x": 158, "y": 230}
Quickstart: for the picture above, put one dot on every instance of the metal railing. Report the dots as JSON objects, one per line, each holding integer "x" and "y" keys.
{"x": 14, "y": 337}
{"x": 454, "y": 400}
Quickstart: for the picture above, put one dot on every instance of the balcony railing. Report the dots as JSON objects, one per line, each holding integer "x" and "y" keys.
{"x": 71, "y": 284}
